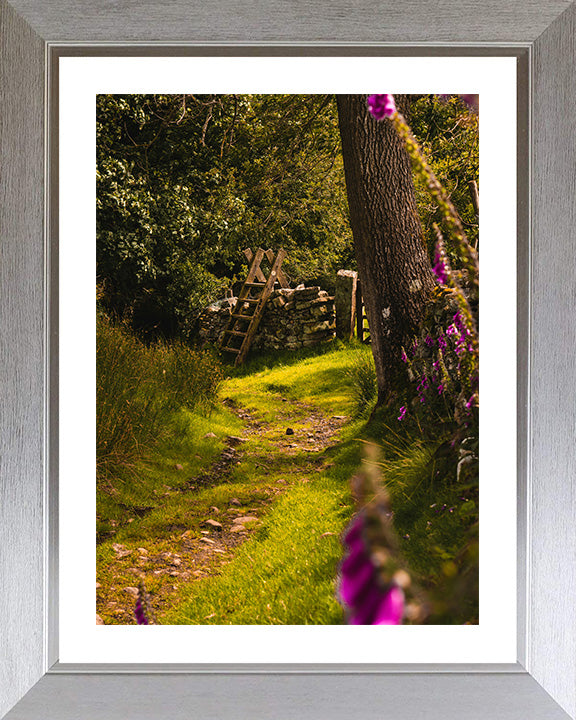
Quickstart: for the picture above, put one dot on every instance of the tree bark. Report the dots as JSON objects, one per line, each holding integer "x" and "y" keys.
{"x": 393, "y": 263}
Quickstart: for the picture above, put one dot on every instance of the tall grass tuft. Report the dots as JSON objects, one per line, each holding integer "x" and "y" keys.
{"x": 139, "y": 389}
{"x": 362, "y": 374}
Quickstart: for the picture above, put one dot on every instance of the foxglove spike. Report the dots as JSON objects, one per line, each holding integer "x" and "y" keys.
{"x": 361, "y": 591}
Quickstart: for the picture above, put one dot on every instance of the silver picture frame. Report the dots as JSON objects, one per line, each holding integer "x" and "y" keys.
{"x": 542, "y": 684}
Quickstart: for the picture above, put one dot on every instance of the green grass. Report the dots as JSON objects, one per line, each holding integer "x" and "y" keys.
{"x": 364, "y": 386}
{"x": 139, "y": 389}
{"x": 153, "y": 484}
{"x": 315, "y": 378}
{"x": 285, "y": 571}
{"x": 283, "y": 358}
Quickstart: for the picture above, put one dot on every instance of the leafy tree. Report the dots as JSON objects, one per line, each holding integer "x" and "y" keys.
{"x": 184, "y": 183}
{"x": 447, "y": 131}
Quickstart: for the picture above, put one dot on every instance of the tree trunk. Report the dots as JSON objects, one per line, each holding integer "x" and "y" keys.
{"x": 393, "y": 264}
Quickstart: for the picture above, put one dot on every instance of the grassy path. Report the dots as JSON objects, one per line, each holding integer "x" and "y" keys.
{"x": 246, "y": 527}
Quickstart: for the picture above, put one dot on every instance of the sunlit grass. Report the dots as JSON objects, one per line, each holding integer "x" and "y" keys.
{"x": 320, "y": 380}
{"x": 286, "y": 574}
{"x": 285, "y": 571}
{"x": 144, "y": 485}
{"x": 140, "y": 387}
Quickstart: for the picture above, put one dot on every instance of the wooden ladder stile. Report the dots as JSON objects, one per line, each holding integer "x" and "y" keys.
{"x": 252, "y": 298}
{"x": 259, "y": 275}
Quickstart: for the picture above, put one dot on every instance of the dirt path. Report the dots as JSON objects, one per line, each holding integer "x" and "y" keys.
{"x": 168, "y": 567}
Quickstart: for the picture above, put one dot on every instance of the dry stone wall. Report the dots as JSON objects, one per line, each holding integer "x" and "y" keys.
{"x": 293, "y": 318}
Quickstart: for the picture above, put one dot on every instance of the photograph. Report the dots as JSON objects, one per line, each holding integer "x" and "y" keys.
{"x": 241, "y": 291}
{"x": 287, "y": 359}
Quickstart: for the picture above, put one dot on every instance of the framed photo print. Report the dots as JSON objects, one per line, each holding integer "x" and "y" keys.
{"x": 247, "y": 471}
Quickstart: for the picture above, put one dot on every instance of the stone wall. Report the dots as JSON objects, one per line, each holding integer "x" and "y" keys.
{"x": 293, "y": 318}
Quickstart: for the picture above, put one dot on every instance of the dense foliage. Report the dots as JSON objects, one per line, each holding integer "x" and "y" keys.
{"x": 184, "y": 183}
{"x": 447, "y": 131}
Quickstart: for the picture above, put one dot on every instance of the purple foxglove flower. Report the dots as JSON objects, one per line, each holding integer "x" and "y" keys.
{"x": 402, "y": 413}
{"x": 141, "y": 609}
{"x": 391, "y": 610}
{"x": 381, "y": 106}
{"x": 460, "y": 324}
{"x": 440, "y": 267}
{"x": 140, "y": 613}
{"x": 368, "y": 601}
